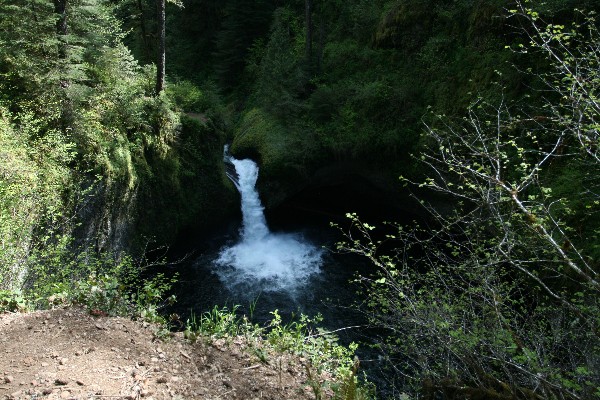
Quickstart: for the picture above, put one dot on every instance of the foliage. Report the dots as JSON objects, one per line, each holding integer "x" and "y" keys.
{"x": 218, "y": 323}
{"x": 86, "y": 139}
{"x": 103, "y": 283}
{"x": 242, "y": 24}
{"x": 497, "y": 297}
{"x": 12, "y": 301}
{"x": 187, "y": 96}
{"x": 280, "y": 76}
{"x": 360, "y": 97}
{"x": 302, "y": 337}
{"x": 34, "y": 189}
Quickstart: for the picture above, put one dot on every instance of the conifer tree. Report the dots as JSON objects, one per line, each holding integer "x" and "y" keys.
{"x": 160, "y": 64}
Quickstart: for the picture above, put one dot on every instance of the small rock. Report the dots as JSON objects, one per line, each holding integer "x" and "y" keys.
{"x": 78, "y": 353}
{"x": 45, "y": 364}
{"x": 161, "y": 379}
{"x": 80, "y": 383}
{"x": 161, "y": 356}
{"x": 95, "y": 389}
{"x": 63, "y": 361}
{"x": 154, "y": 359}
{"x": 145, "y": 393}
{"x": 47, "y": 391}
{"x": 65, "y": 394}
{"x": 61, "y": 382}
{"x": 175, "y": 378}
{"x": 8, "y": 379}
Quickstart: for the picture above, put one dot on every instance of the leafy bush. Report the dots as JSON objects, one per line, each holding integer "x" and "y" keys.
{"x": 35, "y": 189}
{"x": 498, "y": 296}
{"x": 188, "y": 96}
{"x": 299, "y": 337}
{"x": 102, "y": 283}
{"x": 13, "y": 301}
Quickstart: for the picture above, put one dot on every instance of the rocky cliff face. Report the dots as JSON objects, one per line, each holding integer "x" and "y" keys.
{"x": 183, "y": 190}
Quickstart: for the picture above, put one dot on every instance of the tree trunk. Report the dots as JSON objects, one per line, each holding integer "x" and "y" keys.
{"x": 321, "y": 45}
{"x": 309, "y": 28}
{"x": 60, "y": 7}
{"x": 160, "y": 65}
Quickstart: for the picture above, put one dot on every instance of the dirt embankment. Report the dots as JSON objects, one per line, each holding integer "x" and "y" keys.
{"x": 69, "y": 354}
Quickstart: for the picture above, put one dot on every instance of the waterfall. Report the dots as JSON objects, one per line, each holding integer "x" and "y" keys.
{"x": 253, "y": 217}
{"x": 263, "y": 260}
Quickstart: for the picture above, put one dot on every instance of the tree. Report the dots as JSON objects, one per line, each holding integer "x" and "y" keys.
{"x": 244, "y": 24}
{"x": 309, "y": 29}
{"x": 143, "y": 29}
{"x": 162, "y": 47}
{"x": 499, "y": 296}
{"x": 60, "y": 7}
{"x": 280, "y": 76}
{"x": 73, "y": 107}
{"x": 160, "y": 64}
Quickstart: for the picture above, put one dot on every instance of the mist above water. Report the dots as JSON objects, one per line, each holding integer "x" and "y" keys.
{"x": 261, "y": 260}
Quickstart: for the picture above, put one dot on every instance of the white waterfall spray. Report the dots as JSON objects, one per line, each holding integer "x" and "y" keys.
{"x": 274, "y": 261}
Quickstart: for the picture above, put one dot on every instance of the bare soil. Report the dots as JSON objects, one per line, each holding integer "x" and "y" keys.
{"x": 70, "y": 354}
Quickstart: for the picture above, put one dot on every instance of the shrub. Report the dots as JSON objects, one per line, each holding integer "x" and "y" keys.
{"x": 302, "y": 337}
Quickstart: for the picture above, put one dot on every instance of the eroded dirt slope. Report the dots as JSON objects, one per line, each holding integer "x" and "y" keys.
{"x": 69, "y": 354}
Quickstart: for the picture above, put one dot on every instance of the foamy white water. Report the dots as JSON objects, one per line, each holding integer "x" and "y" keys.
{"x": 271, "y": 261}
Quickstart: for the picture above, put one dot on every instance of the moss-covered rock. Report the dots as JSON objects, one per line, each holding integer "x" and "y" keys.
{"x": 187, "y": 189}
{"x": 286, "y": 155}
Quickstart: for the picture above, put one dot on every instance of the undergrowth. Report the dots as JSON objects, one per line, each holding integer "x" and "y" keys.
{"x": 104, "y": 284}
{"x": 302, "y": 337}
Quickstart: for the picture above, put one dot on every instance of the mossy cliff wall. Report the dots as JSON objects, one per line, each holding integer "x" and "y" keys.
{"x": 179, "y": 187}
